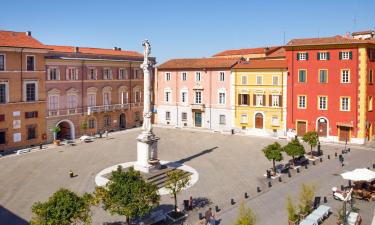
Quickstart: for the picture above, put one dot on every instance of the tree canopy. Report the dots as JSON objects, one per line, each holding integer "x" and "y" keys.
{"x": 177, "y": 180}
{"x": 294, "y": 148}
{"x": 246, "y": 216}
{"x": 128, "y": 194}
{"x": 64, "y": 207}
{"x": 311, "y": 138}
{"x": 273, "y": 152}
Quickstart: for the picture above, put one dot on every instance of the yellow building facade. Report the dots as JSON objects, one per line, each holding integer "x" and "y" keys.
{"x": 260, "y": 97}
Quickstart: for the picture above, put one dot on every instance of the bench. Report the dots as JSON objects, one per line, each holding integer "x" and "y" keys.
{"x": 22, "y": 151}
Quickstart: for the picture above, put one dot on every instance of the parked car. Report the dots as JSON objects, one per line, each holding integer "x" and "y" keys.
{"x": 283, "y": 168}
{"x": 300, "y": 161}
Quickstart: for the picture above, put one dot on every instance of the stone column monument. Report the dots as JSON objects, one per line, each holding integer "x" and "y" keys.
{"x": 147, "y": 142}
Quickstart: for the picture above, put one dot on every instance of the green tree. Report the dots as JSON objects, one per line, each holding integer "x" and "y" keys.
{"x": 64, "y": 207}
{"x": 312, "y": 139}
{"x": 291, "y": 209}
{"x": 306, "y": 198}
{"x": 55, "y": 130}
{"x": 84, "y": 126}
{"x": 177, "y": 180}
{"x": 246, "y": 216}
{"x": 294, "y": 149}
{"x": 128, "y": 194}
{"x": 273, "y": 152}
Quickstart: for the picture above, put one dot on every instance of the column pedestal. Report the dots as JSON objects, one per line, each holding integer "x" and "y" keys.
{"x": 147, "y": 160}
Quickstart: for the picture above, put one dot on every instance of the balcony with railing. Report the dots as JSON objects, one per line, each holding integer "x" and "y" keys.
{"x": 94, "y": 109}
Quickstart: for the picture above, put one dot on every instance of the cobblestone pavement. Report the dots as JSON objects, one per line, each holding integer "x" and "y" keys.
{"x": 228, "y": 166}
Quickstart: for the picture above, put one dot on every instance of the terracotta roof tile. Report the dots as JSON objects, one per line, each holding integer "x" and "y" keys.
{"x": 326, "y": 41}
{"x": 198, "y": 63}
{"x": 246, "y": 51}
{"x": 262, "y": 64}
{"x": 96, "y": 51}
{"x": 19, "y": 40}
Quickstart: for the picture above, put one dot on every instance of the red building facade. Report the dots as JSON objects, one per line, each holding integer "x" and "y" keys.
{"x": 330, "y": 87}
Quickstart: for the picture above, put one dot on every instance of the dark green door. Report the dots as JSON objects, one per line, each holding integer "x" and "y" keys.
{"x": 198, "y": 119}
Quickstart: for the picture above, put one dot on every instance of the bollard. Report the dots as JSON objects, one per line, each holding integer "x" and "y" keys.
{"x": 321, "y": 159}
{"x": 306, "y": 166}
{"x": 71, "y": 174}
{"x": 373, "y": 166}
{"x": 313, "y": 163}
{"x": 335, "y": 154}
{"x": 325, "y": 199}
{"x": 368, "y": 168}
{"x": 348, "y": 149}
{"x": 232, "y": 201}
{"x": 280, "y": 180}
{"x": 246, "y": 195}
{"x": 290, "y": 175}
{"x": 297, "y": 170}
{"x": 350, "y": 183}
{"x": 342, "y": 187}
{"x": 329, "y": 156}
{"x": 41, "y": 146}
{"x": 342, "y": 152}
{"x": 269, "y": 184}
{"x": 217, "y": 208}
{"x": 200, "y": 216}
{"x": 258, "y": 189}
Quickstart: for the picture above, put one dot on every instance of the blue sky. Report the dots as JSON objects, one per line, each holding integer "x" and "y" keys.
{"x": 183, "y": 28}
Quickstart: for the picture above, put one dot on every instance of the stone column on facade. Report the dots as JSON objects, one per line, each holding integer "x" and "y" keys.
{"x": 147, "y": 148}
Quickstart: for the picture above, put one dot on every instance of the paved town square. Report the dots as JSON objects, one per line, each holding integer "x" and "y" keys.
{"x": 228, "y": 166}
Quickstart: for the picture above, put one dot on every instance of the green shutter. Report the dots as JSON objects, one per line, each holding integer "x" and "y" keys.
{"x": 297, "y": 56}
{"x": 318, "y": 56}
{"x": 327, "y": 55}
{"x": 340, "y": 55}
{"x": 307, "y": 56}
{"x": 350, "y": 55}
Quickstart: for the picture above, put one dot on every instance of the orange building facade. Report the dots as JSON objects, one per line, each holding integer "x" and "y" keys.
{"x": 22, "y": 90}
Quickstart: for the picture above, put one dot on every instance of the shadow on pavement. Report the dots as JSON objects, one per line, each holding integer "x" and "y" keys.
{"x": 8, "y": 217}
{"x": 182, "y": 161}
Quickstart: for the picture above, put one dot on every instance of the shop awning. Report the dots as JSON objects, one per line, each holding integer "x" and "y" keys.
{"x": 344, "y": 124}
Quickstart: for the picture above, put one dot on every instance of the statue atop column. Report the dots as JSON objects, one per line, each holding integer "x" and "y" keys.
{"x": 147, "y": 148}
{"x": 146, "y": 66}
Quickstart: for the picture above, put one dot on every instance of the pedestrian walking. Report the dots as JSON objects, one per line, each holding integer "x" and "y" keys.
{"x": 209, "y": 217}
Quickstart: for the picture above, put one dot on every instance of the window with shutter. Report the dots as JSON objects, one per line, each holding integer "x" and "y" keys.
{"x": 328, "y": 57}
{"x": 2, "y": 117}
{"x": 280, "y": 100}
{"x": 297, "y": 56}
{"x": 270, "y": 100}
{"x": 350, "y": 55}
{"x": 254, "y": 100}
{"x": 307, "y": 56}
{"x": 340, "y": 55}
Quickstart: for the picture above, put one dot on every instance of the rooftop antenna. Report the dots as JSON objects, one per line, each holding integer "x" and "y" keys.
{"x": 318, "y": 32}
{"x": 284, "y": 37}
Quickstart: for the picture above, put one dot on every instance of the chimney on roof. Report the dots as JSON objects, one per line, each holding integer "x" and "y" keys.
{"x": 116, "y": 48}
{"x": 76, "y": 49}
{"x": 28, "y": 33}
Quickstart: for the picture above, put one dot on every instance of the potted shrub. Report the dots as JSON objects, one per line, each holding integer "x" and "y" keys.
{"x": 292, "y": 212}
{"x": 55, "y": 130}
{"x": 306, "y": 198}
{"x": 84, "y": 127}
{"x": 273, "y": 153}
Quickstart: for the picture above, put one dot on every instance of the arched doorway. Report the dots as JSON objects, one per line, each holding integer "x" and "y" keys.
{"x": 322, "y": 127}
{"x": 259, "y": 121}
{"x": 122, "y": 121}
{"x": 66, "y": 130}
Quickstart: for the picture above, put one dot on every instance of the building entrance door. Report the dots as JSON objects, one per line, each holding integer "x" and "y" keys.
{"x": 122, "y": 121}
{"x": 198, "y": 119}
{"x": 301, "y": 128}
{"x": 259, "y": 120}
{"x": 322, "y": 127}
{"x": 65, "y": 131}
{"x": 344, "y": 133}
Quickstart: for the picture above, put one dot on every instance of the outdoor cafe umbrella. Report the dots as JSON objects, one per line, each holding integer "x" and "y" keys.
{"x": 359, "y": 175}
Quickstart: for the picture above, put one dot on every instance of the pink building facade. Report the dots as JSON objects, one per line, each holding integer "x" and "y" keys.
{"x": 195, "y": 93}
{"x": 92, "y": 90}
